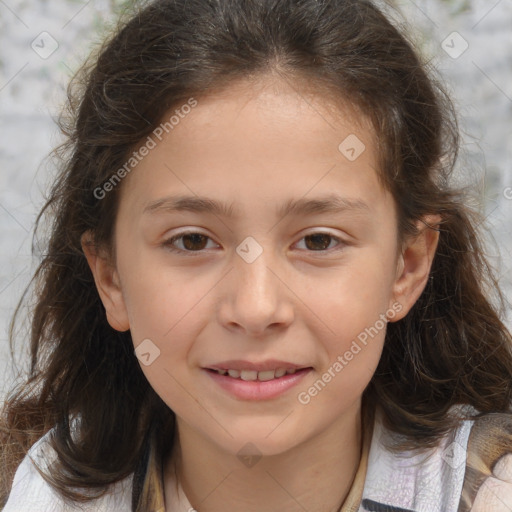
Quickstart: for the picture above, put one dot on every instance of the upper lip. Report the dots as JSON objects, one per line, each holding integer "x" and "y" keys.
{"x": 269, "y": 364}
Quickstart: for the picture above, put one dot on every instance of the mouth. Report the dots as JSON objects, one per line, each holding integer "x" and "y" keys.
{"x": 252, "y": 375}
{"x": 257, "y": 381}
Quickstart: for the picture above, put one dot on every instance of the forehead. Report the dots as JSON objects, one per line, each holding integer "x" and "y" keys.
{"x": 261, "y": 140}
{"x": 272, "y": 103}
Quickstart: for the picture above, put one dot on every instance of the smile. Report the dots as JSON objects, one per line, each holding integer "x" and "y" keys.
{"x": 249, "y": 381}
{"x": 249, "y": 375}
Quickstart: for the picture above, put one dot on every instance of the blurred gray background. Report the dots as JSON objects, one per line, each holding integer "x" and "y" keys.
{"x": 43, "y": 42}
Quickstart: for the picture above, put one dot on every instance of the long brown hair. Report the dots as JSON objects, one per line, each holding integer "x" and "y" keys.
{"x": 452, "y": 347}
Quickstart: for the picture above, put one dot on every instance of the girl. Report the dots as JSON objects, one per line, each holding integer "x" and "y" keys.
{"x": 260, "y": 291}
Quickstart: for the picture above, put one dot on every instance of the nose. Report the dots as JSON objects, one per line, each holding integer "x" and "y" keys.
{"x": 256, "y": 299}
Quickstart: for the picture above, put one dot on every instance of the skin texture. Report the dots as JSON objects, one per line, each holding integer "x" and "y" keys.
{"x": 257, "y": 145}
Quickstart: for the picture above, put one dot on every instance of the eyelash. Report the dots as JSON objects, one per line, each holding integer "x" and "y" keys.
{"x": 168, "y": 244}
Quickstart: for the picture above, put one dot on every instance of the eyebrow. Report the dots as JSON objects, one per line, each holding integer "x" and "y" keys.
{"x": 331, "y": 203}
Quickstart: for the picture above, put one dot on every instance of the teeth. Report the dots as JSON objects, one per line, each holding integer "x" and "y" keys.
{"x": 280, "y": 372}
{"x": 251, "y": 375}
{"x": 248, "y": 375}
{"x": 267, "y": 375}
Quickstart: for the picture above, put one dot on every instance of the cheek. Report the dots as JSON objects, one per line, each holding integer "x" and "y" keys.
{"x": 167, "y": 315}
{"x": 352, "y": 348}
{"x": 354, "y": 297}
{"x": 354, "y": 305}
{"x": 169, "y": 308}
{"x": 159, "y": 296}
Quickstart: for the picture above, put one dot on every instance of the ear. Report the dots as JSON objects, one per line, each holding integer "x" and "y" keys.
{"x": 107, "y": 282}
{"x": 414, "y": 264}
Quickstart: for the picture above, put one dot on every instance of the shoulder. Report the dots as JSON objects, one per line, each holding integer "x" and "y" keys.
{"x": 470, "y": 469}
{"x": 30, "y": 491}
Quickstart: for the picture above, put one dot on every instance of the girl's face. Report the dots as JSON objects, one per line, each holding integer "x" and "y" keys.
{"x": 255, "y": 237}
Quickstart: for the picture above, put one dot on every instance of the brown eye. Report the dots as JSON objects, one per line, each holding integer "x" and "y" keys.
{"x": 194, "y": 241}
{"x": 191, "y": 242}
{"x": 320, "y": 241}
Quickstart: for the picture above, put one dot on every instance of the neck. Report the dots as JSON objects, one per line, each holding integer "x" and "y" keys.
{"x": 316, "y": 475}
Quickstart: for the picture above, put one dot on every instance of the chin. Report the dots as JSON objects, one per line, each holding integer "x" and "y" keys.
{"x": 265, "y": 440}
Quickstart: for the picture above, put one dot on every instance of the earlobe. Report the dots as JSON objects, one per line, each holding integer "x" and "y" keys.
{"x": 415, "y": 263}
{"x": 107, "y": 283}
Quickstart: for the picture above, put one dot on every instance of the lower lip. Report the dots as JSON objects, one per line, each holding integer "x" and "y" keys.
{"x": 255, "y": 389}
